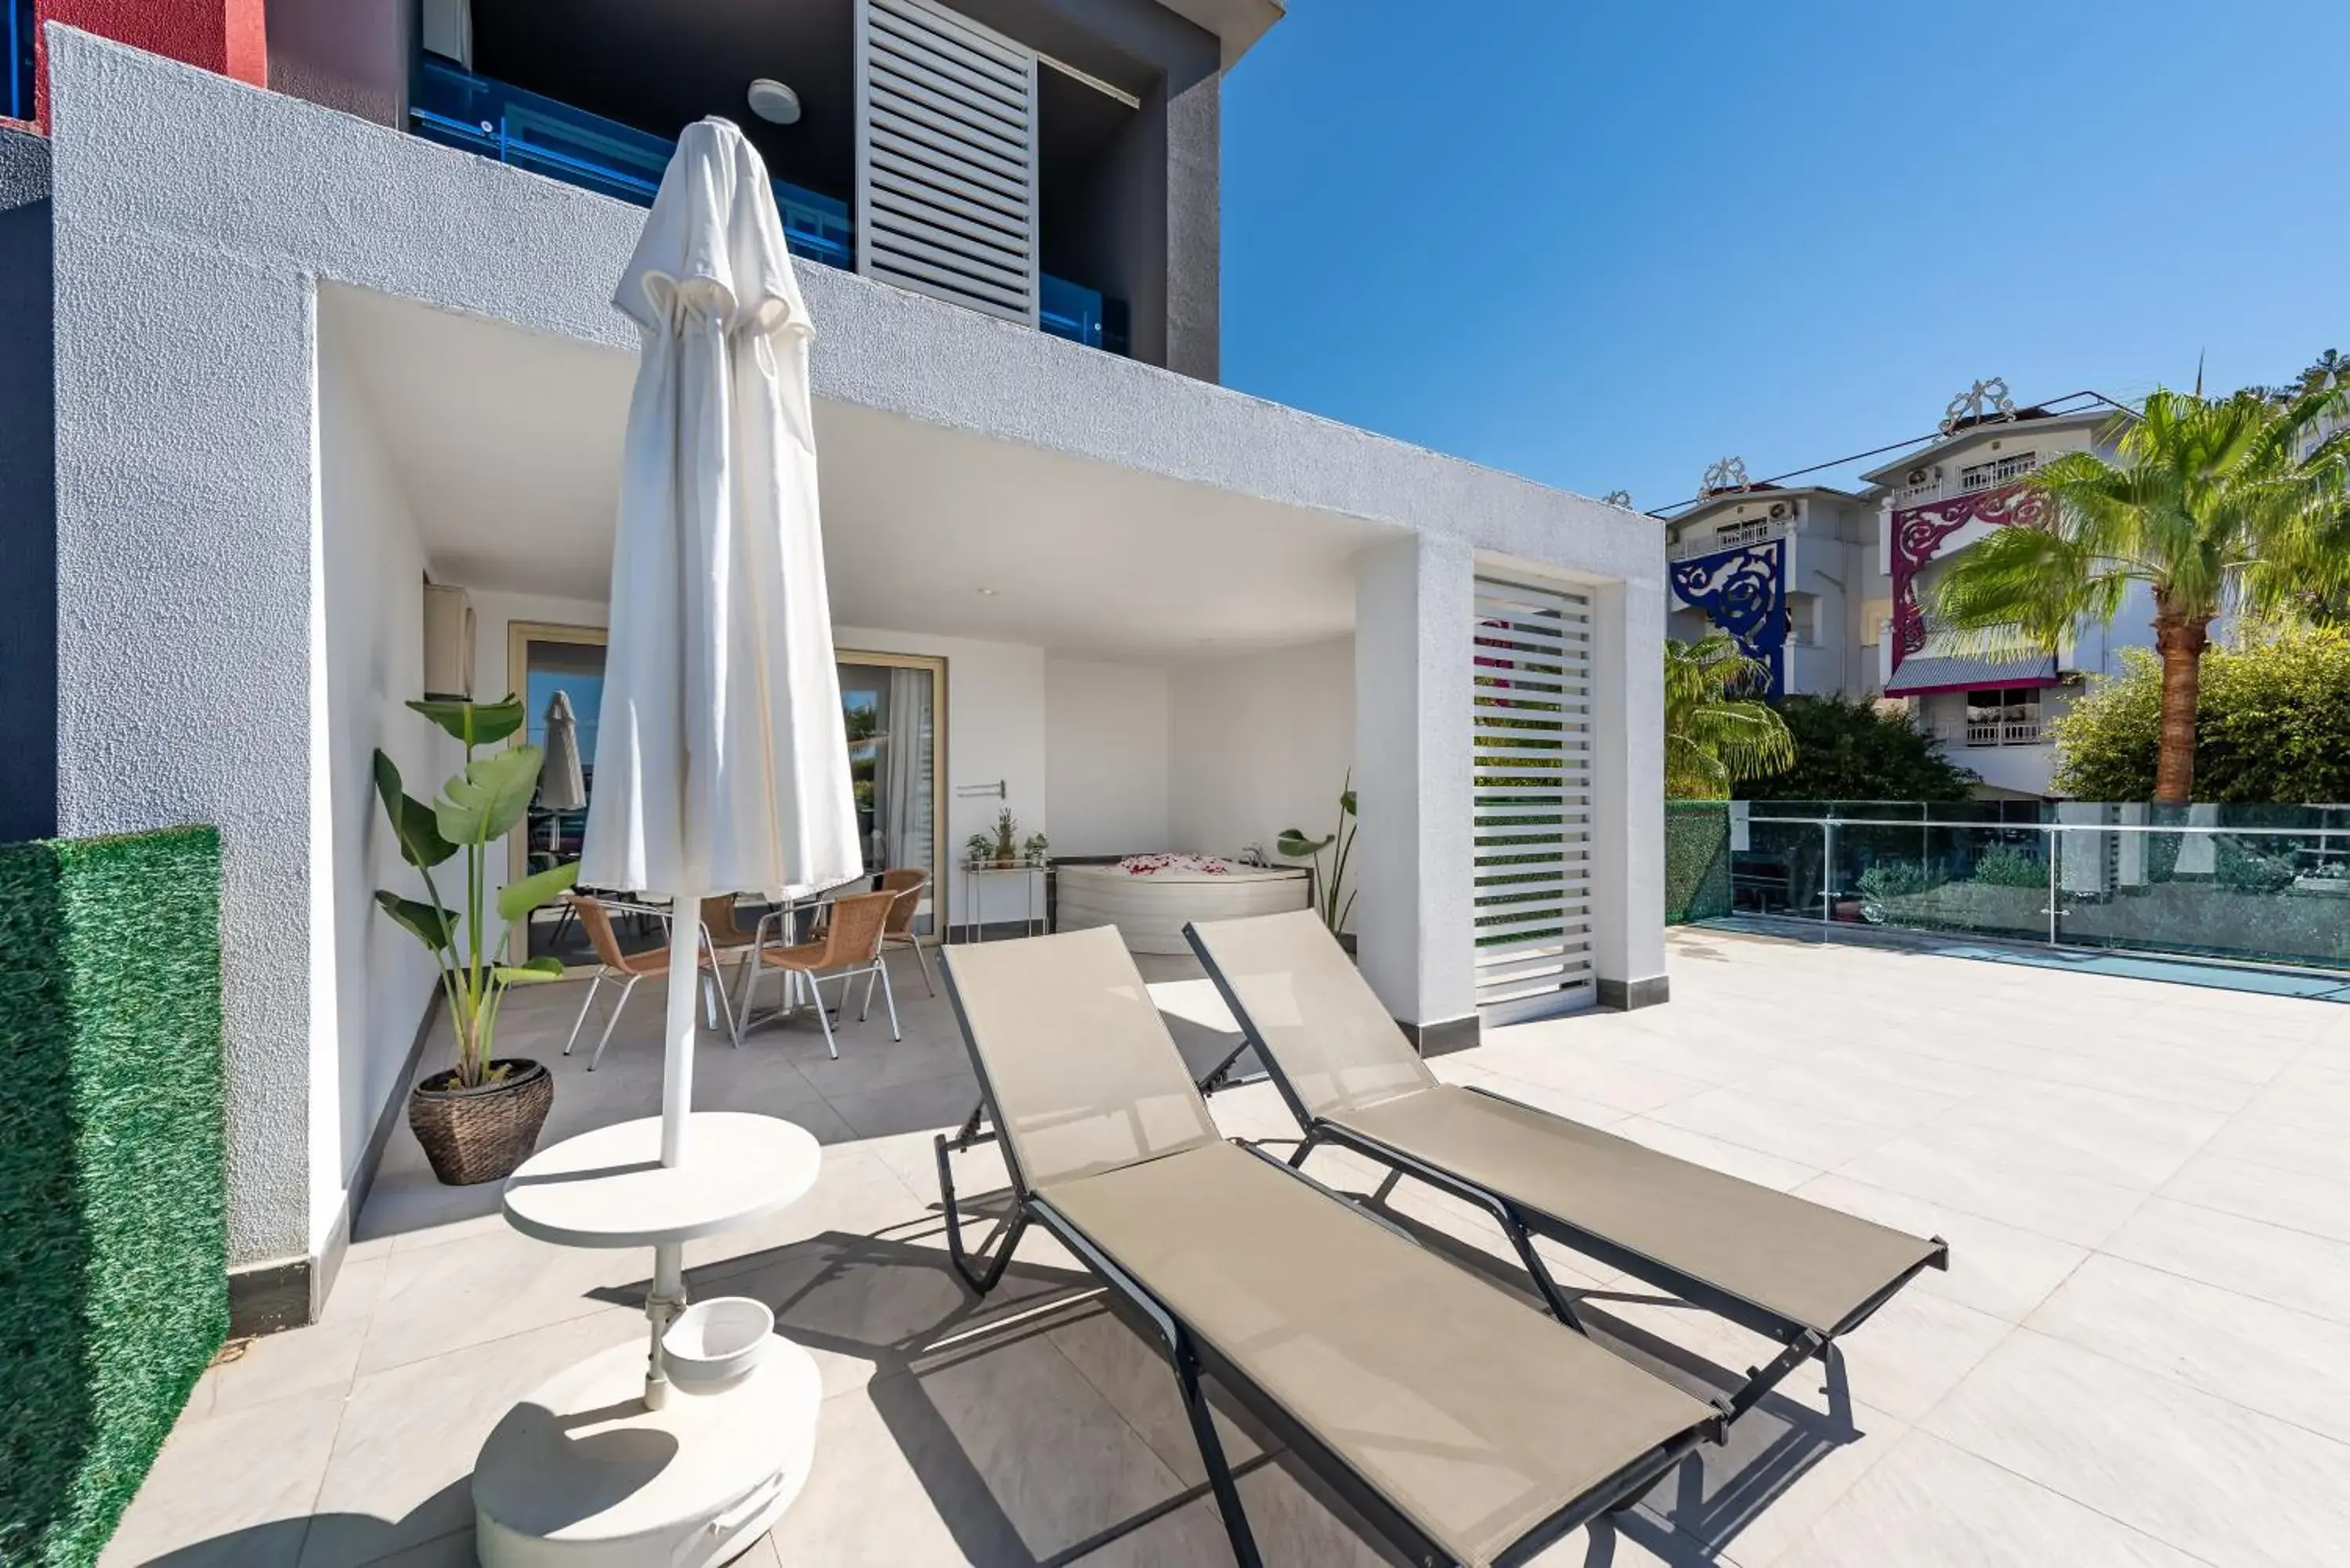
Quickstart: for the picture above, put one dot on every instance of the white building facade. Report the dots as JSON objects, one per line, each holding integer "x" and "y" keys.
{"x": 313, "y": 372}
{"x": 1830, "y": 588}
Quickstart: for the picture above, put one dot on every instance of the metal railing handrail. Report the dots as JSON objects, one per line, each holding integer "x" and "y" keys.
{"x": 2181, "y": 828}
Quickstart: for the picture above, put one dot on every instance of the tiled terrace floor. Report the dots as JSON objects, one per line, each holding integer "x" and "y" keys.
{"x": 2141, "y": 1355}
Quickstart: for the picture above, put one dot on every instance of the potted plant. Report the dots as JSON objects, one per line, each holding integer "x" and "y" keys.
{"x": 479, "y": 1119}
{"x": 1294, "y": 845}
{"x": 979, "y": 850}
{"x": 1036, "y": 849}
{"x": 1007, "y": 838}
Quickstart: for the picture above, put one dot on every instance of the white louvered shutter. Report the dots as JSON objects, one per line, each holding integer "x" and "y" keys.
{"x": 1531, "y": 789}
{"x": 946, "y": 158}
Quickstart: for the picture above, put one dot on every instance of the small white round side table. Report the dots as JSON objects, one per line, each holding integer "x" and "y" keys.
{"x": 605, "y": 1465}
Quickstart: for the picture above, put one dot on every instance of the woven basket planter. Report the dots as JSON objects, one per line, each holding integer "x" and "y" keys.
{"x": 479, "y": 1134}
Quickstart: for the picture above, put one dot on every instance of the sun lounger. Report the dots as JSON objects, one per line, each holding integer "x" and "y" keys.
{"x": 1792, "y": 1270}
{"x": 1454, "y": 1422}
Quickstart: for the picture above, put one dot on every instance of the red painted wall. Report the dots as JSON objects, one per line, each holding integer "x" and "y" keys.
{"x": 225, "y": 35}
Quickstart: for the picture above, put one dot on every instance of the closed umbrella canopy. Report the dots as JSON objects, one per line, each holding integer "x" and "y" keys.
{"x": 562, "y": 782}
{"x": 721, "y": 755}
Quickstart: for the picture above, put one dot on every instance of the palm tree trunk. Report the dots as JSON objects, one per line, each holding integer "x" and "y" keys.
{"x": 2180, "y": 642}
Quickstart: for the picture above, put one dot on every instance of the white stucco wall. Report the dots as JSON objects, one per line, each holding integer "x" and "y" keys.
{"x": 1105, "y": 755}
{"x": 1261, "y": 742}
{"x": 193, "y": 218}
{"x": 372, "y": 565}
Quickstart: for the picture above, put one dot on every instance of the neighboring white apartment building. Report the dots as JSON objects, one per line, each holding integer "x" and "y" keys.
{"x": 311, "y": 360}
{"x": 1988, "y": 712}
{"x": 1829, "y": 588}
{"x": 1787, "y": 572}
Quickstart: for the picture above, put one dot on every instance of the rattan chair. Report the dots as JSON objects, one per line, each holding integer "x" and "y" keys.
{"x": 627, "y": 968}
{"x": 907, "y": 882}
{"x": 848, "y": 945}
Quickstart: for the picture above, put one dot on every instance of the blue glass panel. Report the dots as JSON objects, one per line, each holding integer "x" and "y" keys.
{"x": 1081, "y": 315}
{"x": 457, "y": 108}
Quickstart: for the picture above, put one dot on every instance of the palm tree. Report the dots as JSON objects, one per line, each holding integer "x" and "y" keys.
{"x": 2329, "y": 373}
{"x": 2207, "y": 505}
{"x": 1714, "y": 736}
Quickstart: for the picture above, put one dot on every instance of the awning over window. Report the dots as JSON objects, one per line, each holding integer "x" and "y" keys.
{"x": 1922, "y": 673}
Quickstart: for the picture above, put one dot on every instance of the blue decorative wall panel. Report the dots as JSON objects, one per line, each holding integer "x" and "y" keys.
{"x": 1744, "y": 590}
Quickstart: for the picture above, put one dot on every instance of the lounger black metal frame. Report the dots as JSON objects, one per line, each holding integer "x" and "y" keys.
{"x": 1192, "y": 1358}
{"x": 1802, "y": 1343}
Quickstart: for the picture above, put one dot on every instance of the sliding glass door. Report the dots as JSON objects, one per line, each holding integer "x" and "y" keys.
{"x": 893, "y": 703}
{"x": 895, "y": 709}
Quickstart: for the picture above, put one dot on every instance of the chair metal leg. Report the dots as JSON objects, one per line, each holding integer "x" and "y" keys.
{"x": 865, "y": 1008}
{"x": 923, "y": 964}
{"x": 726, "y": 1006}
{"x": 618, "y": 1003}
{"x": 595, "y": 984}
{"x": 825, "y": 1018}
{"x": 889, "y": 997}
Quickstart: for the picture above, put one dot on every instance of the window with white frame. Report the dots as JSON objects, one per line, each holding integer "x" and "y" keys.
{"x": 2003, "y": 716}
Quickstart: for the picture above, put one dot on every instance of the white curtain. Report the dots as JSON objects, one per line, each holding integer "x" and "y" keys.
{"x": 906, "y": 792}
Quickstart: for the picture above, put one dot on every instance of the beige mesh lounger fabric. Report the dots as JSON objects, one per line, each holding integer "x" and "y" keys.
{"x": 1459, "y": 1424}
{"x": 1796, "y": 1271}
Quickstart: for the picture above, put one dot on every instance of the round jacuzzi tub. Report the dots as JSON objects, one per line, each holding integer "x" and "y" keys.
{"x": 1150, "y": 897}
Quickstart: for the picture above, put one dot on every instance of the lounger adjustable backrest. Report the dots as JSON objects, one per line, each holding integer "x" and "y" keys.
{"x": 1088, "y": 1082}
{"x": 1311, "y": 1010}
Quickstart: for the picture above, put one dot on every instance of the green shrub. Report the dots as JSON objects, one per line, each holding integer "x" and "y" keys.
{"x": 1850, "y": 751}
{"x": 2241, "y": 868}
{"x": 2273, "y": 724}
{"x": 2010, "y": 866}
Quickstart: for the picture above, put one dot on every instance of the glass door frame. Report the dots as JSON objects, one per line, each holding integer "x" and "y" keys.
{"x": 521, "y": 634}
{"x": 939, "y": 795}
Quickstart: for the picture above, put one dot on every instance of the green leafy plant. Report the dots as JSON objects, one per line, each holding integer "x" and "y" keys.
{"x": 1036, "y": 849}
{"x": 2241, "y": 868}
{"x": 979, "y": 850}
{"x": 478, "y": 807}
{"x": 1295, "y": 845}
{"x": 2273, "y": 724}
{"x": 2010, "y": 866}
{"x": 1856, "y": 751}
{"x": 2212, "y": 505}
{"x": 1717, "y": 732}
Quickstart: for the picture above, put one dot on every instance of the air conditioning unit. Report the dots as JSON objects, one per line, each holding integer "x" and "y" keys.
{"x": 1917, "y": 476}
{"x": 1778, "y": 509}
{"x": 447, "y": 643}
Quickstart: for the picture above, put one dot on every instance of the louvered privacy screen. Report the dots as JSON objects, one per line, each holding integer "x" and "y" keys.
{"x": 946, "y": 158}
{"x": 1532, "y": 782}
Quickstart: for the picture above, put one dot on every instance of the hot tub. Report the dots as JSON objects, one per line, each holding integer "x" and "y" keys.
{"x": 1150, "y": 897}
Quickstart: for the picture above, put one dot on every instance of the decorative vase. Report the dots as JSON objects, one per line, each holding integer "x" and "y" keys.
{"x": 472, "y": 1136}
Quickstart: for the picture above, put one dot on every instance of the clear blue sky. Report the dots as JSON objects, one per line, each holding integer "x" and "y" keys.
{"x": 1602, "y": 245}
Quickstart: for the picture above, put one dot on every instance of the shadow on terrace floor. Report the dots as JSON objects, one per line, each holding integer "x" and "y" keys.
{"x": 877, "y": 1086}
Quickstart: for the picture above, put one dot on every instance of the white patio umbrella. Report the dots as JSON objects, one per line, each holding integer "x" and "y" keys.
{"x": 722, "y": 761}
{"x": 562, "y": 782}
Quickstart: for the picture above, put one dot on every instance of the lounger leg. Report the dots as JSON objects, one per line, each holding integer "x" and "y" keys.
{"x": 1760, "y": 1380}
{"x": 1552, "y": 1297}
{"x": 605, "y": 1039}
{"x": 1306, "y": 1147}
{"x": 1211, "y": 1456}
{"x": 985, "y": 1279}
{"x": 595, "y": 984}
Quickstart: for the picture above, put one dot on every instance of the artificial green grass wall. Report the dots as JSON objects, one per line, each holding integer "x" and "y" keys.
{"x": 1697, "y": 861}
{"x": 113, "y": 1203}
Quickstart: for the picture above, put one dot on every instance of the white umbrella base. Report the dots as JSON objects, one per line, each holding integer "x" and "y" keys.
{"x": 581, "y": 1474}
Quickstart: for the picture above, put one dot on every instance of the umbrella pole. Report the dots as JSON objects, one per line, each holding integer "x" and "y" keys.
{"x": 667, "y": 1296}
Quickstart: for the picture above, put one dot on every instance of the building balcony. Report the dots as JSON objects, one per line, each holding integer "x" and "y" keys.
{"x": 1995, "y": 733}
{"x": 1966, "y": 482}
{"x": 511, "y": 125}
{"x": 1730, "y": 537}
